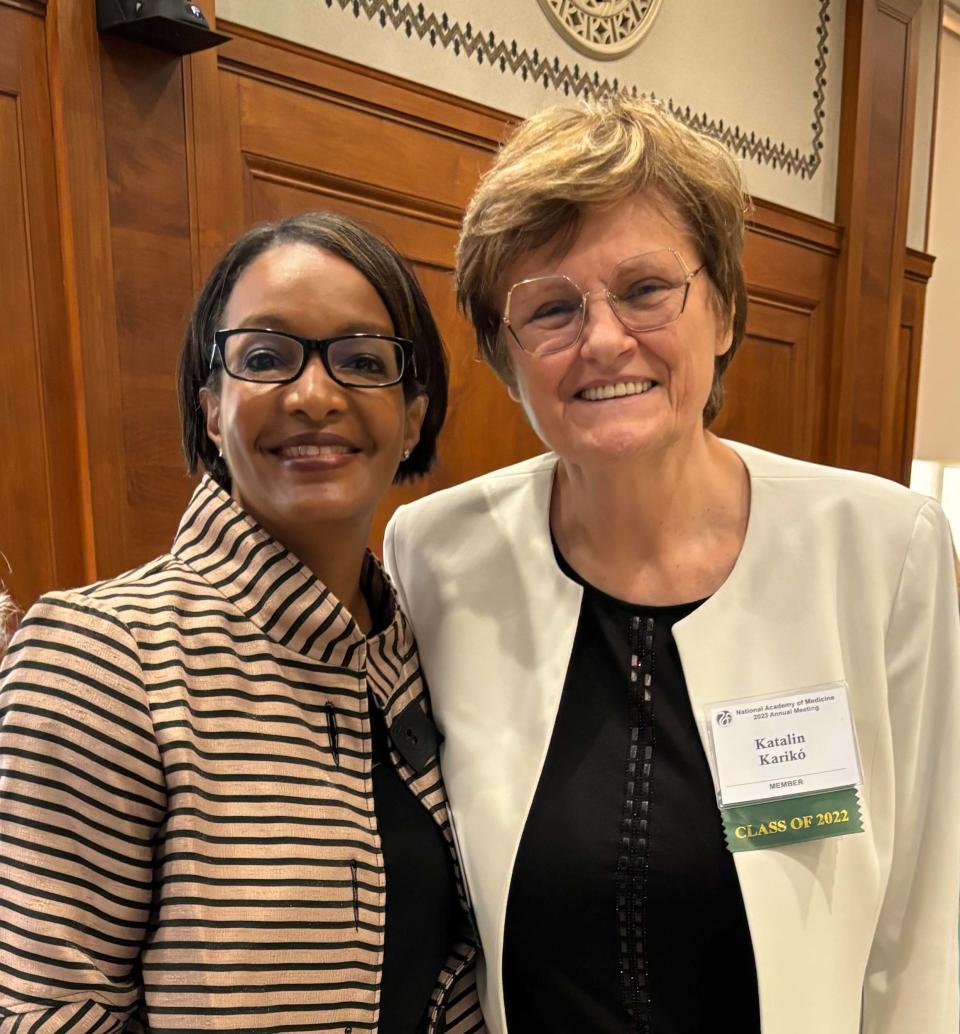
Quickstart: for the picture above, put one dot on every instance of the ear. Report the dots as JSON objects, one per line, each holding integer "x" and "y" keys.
{"x": 508, "y": 377}
{"x": 416, "y": 412}
{"x": 725, "y": 336}
{"x": 210, "y": 404}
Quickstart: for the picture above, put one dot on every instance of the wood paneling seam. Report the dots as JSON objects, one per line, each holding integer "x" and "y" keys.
{"x": 273, "y": 170}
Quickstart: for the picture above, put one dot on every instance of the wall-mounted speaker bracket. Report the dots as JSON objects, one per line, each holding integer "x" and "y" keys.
{"x": 168, "y": 24}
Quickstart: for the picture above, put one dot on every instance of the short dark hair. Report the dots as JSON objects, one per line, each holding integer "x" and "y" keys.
{"x": 392, "y": 279}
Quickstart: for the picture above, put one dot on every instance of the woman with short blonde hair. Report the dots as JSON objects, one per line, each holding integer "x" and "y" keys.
{"x": 591, "y": 621}
{"x": 569, "y": 159}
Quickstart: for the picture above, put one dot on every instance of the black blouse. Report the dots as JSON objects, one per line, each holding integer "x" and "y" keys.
{"x": 625, "y": 914}
{"x": 422, "y": 905}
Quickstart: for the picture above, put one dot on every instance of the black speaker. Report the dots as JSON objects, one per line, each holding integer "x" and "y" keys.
{"x": 168, "y": 24}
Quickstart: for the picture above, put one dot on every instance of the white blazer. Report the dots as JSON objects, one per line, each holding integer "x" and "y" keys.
{"x": 842, "y": 576}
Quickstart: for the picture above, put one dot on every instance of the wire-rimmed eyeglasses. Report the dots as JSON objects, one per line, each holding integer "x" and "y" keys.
{"x": 546, "y": 314}
{"x": 276, "y": 357}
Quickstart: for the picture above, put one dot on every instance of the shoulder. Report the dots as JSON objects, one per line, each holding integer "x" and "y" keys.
{"x": 472, "y": 529}
{"x": 100, "y": 617}
{"x": 141, "y": 590}
{"x": 818, "y": 490}
{"x": 74, "y": 653}
{"x": 519, "y": 484}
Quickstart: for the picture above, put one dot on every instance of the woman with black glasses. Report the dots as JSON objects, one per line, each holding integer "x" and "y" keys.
{"x": 221, "y": 806}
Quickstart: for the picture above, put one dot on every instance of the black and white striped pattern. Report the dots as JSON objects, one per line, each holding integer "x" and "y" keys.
{"x": 188, "y": 837}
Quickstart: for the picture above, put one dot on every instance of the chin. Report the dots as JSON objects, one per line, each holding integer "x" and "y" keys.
{"x": 615, "y": 445}
{"x": 319, "y": 504}
{"x": 334, "y": 507}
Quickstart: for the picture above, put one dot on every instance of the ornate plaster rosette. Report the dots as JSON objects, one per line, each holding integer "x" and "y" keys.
{"x": 603, "y": 29}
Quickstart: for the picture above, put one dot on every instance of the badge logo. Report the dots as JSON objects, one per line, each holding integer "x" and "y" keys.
{"x": 604, "y": 29}
{"x": 724, "y": 717}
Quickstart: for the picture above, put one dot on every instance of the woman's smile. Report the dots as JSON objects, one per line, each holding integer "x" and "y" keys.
{"x": 315, "y": 452}
{"x": 615, "y": 390}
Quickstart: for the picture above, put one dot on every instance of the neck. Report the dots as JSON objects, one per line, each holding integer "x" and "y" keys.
{"x": 658, "y": 529}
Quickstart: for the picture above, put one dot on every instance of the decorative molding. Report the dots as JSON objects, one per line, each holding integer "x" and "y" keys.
{"x": 602, "y": 29}
{"x": 782, "y": 301}
{"x": 902, "y": 10}
{"x": 30, "y": 6}
{"x": 341, "y": 188}
{"x": 918, "y": 266}
{"x": 484, "y": 48}
{"x": 768, "y": 219}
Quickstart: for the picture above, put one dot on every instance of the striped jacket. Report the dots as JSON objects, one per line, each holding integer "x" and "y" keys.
{"x": 187, "y": 831}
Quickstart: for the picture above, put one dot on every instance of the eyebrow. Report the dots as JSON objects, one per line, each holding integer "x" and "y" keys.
{"x": 265, "y": 320}
{"x": 272, "y": 321}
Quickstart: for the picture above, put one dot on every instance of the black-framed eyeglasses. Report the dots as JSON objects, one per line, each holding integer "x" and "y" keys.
{"x": 275, "y": 357}
{"x": 546, "y": 314}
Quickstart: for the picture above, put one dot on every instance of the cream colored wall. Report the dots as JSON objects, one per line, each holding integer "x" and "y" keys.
{"x": 928, "y": 26}
{"x": 732, "y": 62}
{"x": 938, "y": 401}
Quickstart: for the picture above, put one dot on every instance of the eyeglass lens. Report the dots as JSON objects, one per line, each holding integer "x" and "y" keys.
{"x": 647, "y": 291}
{"x": 353, "y": 361}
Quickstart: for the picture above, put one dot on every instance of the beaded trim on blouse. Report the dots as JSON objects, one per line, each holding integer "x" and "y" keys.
{"x": 633, "y": 858}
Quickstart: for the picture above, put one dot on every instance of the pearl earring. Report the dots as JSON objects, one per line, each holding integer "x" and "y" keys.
{"x": 406, "y": 454}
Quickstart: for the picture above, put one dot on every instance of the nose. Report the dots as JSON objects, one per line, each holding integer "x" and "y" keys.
{"x": 603, "y": 336}
{"x": 315, "y": 393}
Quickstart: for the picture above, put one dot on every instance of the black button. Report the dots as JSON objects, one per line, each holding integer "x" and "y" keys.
{"x": 415, "y": 736}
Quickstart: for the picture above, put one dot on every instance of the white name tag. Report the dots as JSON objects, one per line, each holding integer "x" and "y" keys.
{"x": 782, "y": 746}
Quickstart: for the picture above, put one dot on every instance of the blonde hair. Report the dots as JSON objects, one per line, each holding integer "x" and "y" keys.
{"x": 570, "y": 157}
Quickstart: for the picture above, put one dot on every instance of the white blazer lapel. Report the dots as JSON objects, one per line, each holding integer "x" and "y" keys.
{"x": 498, "y": 649}
{"x": 764, "y": 633}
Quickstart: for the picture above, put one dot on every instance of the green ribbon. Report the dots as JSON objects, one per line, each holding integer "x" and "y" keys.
{"x": 782, "y": 821}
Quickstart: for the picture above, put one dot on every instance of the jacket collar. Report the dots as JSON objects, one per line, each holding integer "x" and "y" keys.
{"x": 271, "y": 587}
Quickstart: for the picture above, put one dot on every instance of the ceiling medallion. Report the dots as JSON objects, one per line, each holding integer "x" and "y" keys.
{"x": 604, "y": 29}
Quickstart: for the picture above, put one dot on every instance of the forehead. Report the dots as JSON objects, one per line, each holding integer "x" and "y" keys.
{"x": 301, "y": 283}
{"x": 607, "y": 234}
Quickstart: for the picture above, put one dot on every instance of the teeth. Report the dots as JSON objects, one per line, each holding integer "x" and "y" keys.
{"x": 293, "y": 451}
{"x": 616, "y": 391}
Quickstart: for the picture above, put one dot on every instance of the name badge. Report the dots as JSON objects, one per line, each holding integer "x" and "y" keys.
{"x": 787, "y": 767}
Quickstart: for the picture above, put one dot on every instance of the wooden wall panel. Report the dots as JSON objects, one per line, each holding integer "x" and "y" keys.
{"x": 275, "y": 189}
{"x": 876, "y": 133}
{"x": 73, "y": 51}
{"x": 27, "y": 545}
{"x": 906, "y": 381}
{"x": 40, "y": 534}
{"x": 775, "y": 384}
{"x": 146, "y": 149}
{"x": 393, "y": 158}
{"x": 766, "y": 387}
